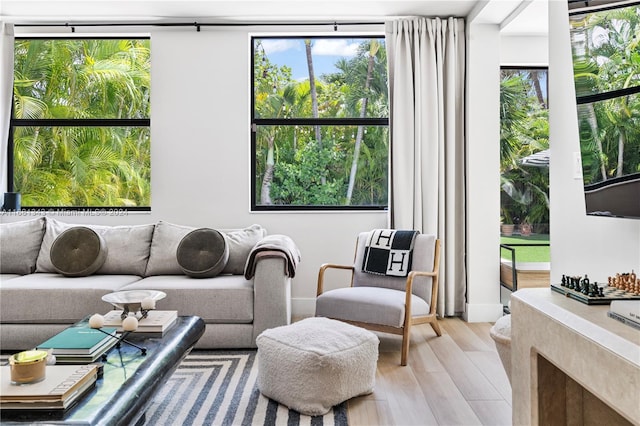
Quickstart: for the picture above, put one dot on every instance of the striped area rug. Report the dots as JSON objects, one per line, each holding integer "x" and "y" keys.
{"x": 219, "y": 388}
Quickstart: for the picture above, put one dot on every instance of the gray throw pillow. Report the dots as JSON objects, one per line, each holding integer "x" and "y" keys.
{"x": 19, "y": 246}
{"x": 128, "y": 247}
{"x": 167, "y": 236}
{"x": 162, "y": 255}
{"x": 202, "y": 253}
{"x": 240, "y": 242}
{"x": 78, "y": 252}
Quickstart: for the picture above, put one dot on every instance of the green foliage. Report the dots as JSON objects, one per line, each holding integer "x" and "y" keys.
{"x": 606, "y": 57}
{"x": 76, "y": 165}
{"x": 291, "y": 166}
{"x": 524, "y": 130}
{"x": 299, "y": 182}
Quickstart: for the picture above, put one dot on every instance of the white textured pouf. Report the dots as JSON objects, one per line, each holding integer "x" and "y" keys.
{"x": 501, "y": 335}
{"x": 316, "y": 363}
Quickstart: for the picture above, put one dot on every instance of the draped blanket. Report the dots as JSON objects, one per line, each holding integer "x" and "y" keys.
{"x": 389, "y": 252}
{"x": 274, "y": 246}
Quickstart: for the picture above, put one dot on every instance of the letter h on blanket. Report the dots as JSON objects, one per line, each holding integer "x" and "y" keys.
{"x": 389, "y": 252}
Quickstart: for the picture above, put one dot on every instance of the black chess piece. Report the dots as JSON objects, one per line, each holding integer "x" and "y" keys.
{"x": 563, "y": 282}
{"x": 593, "y": 290}
{"x": 585, "y": 288}
{"x": 600, "y": 291}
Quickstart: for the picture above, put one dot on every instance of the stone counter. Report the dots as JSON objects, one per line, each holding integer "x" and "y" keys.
{"x": 571, "y": 363}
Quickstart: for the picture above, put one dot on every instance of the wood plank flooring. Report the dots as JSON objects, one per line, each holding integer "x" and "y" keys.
{"x": 454, "y": 379}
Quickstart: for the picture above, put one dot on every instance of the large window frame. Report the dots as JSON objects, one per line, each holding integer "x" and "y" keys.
{"x": 257, "y": 122}
{"x": 68, "y": 123}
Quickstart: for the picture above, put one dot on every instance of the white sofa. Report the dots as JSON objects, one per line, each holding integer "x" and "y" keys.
{"x": 36, "y": 301}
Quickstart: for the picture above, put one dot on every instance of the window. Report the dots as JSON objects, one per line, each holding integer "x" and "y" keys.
{"x": 320, "y": 138}
{"x": 80, "y": 125}
{"x": 524, "y": 155}
{"x": 604, "y": 41}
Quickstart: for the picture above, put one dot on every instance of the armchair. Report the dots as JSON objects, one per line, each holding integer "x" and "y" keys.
{"x": 385, "y": 303}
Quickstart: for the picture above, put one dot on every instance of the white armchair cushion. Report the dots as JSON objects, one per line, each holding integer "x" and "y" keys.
{"x": 374, "y": 305}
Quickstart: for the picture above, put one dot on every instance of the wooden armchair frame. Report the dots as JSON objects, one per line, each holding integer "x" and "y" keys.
{"x": 405, "y": 330}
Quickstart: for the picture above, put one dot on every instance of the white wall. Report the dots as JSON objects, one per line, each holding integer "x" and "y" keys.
{"x": 200, "y": 162}
{"x": 580, "y": 244}
{"x": 200, "y": 117}
{"x": 524, "y": 50}
{"x": 483, "y": 173}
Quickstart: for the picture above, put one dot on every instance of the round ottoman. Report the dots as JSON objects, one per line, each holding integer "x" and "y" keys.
{"x": 316, "y": 363}
{"x": 501, "y": 335}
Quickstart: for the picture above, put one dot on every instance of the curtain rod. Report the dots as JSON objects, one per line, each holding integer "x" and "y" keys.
{"x": 197, "y": 25}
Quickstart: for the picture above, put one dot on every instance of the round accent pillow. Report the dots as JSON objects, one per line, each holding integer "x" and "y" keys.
{"x": 202, "y": 253}
{"x": 78, "y": 252}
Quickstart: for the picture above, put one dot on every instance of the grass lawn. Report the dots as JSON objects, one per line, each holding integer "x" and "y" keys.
{"x": 527, "y": 254}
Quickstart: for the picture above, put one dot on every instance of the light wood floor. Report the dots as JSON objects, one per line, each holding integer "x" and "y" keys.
{"x": 454, "y": 379}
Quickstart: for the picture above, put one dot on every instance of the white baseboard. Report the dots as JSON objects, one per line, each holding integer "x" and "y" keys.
{"x": 482, "y": 312}
{"x": 303, "y": 307}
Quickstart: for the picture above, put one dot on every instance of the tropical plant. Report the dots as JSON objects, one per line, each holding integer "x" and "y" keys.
{"x": 524, "y": 131}
{"x": 321, "y": 164}
{"x": 71, "y": 165}
{"x": 606, "y": 57}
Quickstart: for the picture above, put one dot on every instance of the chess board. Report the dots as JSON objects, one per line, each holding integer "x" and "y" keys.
{"x": 610, "y": 293}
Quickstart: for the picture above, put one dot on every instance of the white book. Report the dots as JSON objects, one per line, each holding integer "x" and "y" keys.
{"x": 627, "y": 311}
{"x": 155, "y": 322}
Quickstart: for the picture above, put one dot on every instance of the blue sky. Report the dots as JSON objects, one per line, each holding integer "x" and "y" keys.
{"x": 325, "y": 51}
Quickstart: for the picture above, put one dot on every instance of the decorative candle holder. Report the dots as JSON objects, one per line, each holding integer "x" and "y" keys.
{"x": 28, "y": 367}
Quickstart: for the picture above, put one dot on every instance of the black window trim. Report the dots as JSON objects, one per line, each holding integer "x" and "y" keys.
{"x": 306, "y": 121}
{"x": 72, "y": 122}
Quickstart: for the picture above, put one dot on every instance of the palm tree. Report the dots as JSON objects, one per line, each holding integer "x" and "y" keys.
{"x": 373, "y": 50}
{"x": 76, "y": 165}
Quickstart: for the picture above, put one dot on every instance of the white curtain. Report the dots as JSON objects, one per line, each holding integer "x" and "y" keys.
{"x": 426, "y": 58}
{"x": 6, "y": 89}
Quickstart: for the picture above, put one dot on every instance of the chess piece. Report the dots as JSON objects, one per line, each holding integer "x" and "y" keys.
{"x": 563, "y": 282}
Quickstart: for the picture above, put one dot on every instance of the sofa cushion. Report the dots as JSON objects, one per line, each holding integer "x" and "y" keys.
{"x": 53, "y": 298}
{"x": 223, "y": 299}
{"x": 19, "y": 246}
{"x": 202, "y": 253}
{"x": 167, "y": 237}
{"x": 240, "y": 242}
{"x": 164, "y": 245}
{"x": 78, "y": 252}
{"x": 127, "y": 247}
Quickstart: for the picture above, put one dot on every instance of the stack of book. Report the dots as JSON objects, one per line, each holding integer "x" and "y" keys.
{"x": 626, "y": 311}
{"x": 62, "y": 386}
{"x": 80, "y": 344}
{"x": 155, "y": 322}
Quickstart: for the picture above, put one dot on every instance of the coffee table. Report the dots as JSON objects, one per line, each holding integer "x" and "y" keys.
{"x": 129, "y": 382}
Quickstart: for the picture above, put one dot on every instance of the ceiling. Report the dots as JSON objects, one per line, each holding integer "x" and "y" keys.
{"x": 514, "y": 16}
